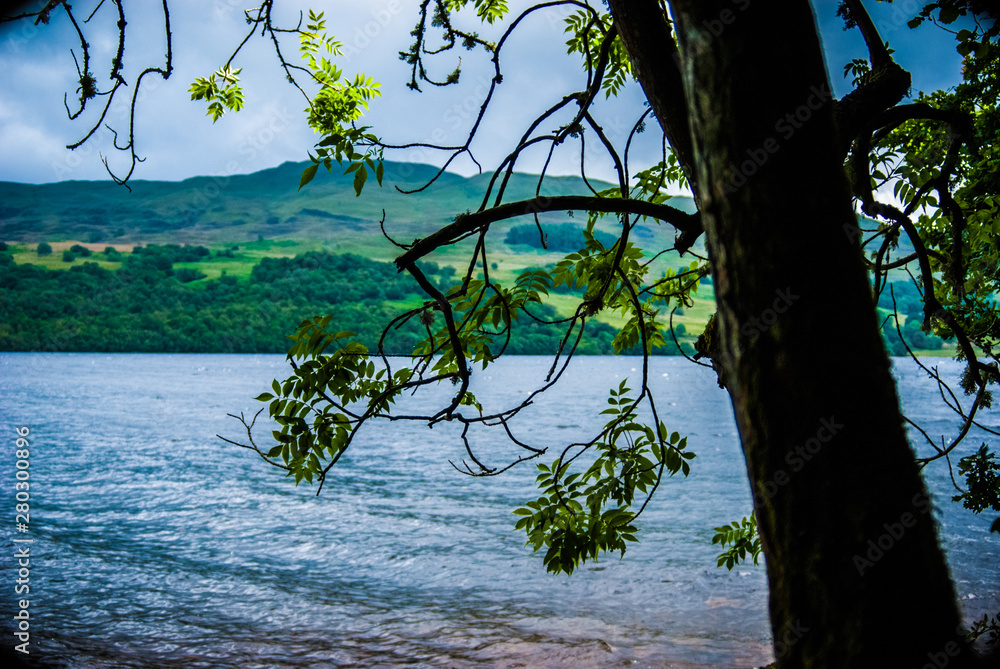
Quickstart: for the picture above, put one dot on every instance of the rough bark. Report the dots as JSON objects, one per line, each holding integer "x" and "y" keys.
{"x": 816, "y": 406}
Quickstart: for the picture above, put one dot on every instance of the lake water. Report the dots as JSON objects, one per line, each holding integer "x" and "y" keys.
{"x": 155, "y": 544}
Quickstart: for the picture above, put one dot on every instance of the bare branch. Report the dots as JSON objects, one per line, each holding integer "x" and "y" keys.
{"x": 470, "y": 222}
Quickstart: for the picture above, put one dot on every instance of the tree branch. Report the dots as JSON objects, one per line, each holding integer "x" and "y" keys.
{"x": 884, "y": 86}
{"x": 470, "y": 222}
{"x": 877, "y": 51}
{"x": 648, "y": 38}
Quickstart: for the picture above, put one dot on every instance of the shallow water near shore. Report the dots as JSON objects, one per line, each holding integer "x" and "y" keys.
{"x": 157, "y": 544}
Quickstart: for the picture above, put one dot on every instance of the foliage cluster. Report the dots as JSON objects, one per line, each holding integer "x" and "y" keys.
{"x": 564, "y": 237}
{"x": 589, "y": 513}
{"x": 170, "y": 253}
{"x": 148, "y": 306}
{"x": 982, "y": 476}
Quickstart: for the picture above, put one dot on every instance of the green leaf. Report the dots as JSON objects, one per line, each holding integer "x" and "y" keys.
{"x": 360, "y": 177}
{"x": 949, "y": 14}
{"x": 308, "y": 174}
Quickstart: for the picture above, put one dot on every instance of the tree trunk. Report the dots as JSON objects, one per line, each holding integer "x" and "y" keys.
{"x": 649, "y": 41}
{"x": 857, "y": 579}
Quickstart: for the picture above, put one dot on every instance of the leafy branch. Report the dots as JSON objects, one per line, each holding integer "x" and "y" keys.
{"x": 742, "y": 539}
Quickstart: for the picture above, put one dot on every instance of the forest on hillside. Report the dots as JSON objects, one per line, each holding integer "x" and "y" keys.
{"x": 149, "y": 306}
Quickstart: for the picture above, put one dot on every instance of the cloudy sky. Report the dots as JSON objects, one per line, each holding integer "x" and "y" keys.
{"x": 178, "y": 140}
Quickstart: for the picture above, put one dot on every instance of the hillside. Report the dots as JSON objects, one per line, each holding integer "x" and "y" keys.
{"x": 244, "y": 220}
{"x": 266, "y": 204}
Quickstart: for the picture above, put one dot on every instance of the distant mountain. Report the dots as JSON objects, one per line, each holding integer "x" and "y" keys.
{"x": 239, "y": 208}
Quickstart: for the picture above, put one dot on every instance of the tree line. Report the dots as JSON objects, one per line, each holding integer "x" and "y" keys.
{"x": 150, "y": 306}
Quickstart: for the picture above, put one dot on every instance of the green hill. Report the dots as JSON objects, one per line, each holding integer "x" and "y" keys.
{"x": 266, "y": 204}
{"x": 264, "y": 214}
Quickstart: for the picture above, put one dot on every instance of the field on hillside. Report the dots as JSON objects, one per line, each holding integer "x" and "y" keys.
{"x": 238, "y": 260}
